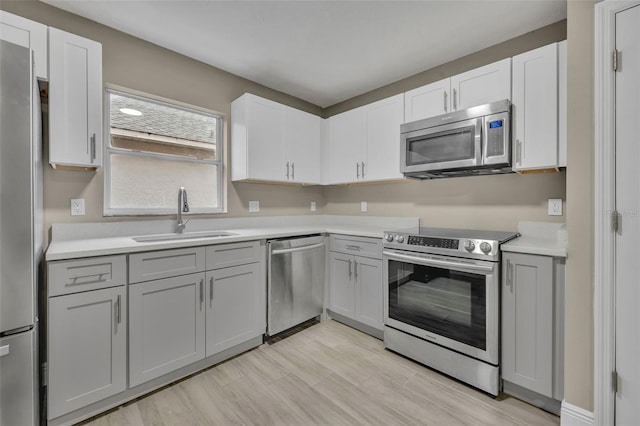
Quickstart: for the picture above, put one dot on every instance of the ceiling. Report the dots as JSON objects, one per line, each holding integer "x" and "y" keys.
{"x": 322, "y": 51}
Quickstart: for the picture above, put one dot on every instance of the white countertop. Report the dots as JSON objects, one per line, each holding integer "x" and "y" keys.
{"x": 547, "y": 239}
{"x": 72, "y": 242}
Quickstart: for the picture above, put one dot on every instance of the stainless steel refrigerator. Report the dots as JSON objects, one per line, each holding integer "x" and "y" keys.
{"x": 21, "y": 234}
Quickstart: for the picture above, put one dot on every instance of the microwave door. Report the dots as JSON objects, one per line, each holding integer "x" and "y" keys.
{"x": 447, "y": 147}
{"x": 497, "y": 140}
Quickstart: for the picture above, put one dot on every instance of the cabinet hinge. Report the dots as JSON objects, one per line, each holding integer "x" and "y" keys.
{"x": 44, "y": 376}
{"x": 616, "y": 54}
{"x": 614, "y": 381}
{"x": 615, "y": 221}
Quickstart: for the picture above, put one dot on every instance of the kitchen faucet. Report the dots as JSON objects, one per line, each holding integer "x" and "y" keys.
{"x": 183, "y": 206}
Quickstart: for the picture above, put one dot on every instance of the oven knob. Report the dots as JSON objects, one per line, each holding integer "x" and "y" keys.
{"x": 399, "y": 239}
{"x": 469, "y": 245}
{"x": 388, "y": 237}
{"x": 485, "y": 247}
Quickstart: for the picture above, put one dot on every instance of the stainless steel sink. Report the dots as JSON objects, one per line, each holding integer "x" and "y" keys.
{"x": 184, "y": 236}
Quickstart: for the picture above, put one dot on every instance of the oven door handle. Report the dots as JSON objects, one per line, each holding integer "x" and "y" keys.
{"x": 436, "y": 262}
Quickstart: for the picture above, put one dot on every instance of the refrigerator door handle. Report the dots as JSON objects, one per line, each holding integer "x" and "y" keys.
{"x": 5, "y": 350}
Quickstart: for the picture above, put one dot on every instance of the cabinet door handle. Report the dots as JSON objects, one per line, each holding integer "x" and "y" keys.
{"x": 363, "y": 170}
{"x": 201, "y": 292}
{"x": 92, "y": 142}
{"x": 211, "y": 290}
{"x": 455, "y": 100}
{"x": 355, "y": 269}
{"x": 287, "y": 170}
{"x": 293, "y": 171}
{"x": 358, "y": 170}
{"x": 519, "y": 152}
{"x": 350, "y": 272}
{"x": 445, "y": 100}
{"x": 119, "y": 310}
{"x": 510, "y": 274}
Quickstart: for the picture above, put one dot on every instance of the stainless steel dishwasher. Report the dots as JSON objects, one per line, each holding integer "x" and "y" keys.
{"x": 296, "y": 281}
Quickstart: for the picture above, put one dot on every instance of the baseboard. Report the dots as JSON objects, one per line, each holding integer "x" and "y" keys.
{"x": 571, "y": 415}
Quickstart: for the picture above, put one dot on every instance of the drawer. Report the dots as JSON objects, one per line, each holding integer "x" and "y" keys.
{"x": 225, "y": 255}
{"x": 166, "y": 263}
{"x": 361, "y": 246}
{"x": 74, "y": 276}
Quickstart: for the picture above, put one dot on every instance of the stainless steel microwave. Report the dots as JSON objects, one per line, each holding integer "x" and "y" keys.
{"x": 471, "y": 142}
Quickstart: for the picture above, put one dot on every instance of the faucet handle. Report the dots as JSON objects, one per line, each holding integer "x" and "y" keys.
{"x": 185, "y": 203}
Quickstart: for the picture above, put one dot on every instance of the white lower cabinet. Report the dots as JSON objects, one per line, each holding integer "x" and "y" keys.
{"x": 235, "y": 306}
{"x": 532, "y": 324}
{"x": 87, "y": 348}
{"x": 166, "y": 326}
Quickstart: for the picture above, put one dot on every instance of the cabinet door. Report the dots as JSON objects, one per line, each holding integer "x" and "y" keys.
{"x": 265, "y": 136}
{"x": 341, "y": 284}
{"x": 27, "y": 33}
{"x": 381, "y": 150}
{"x": 166, "y": 326}
{"x": 87, "y": 348}
{"x": 302, "y": 133}
{"x": 527, "y": 321}
{"x": 235, "y": 301}
{"x": 75, "y": 100}
{"x": 482, "y": 85}
{"x": 535, "y": 108}
{"x": 369, "y": 288}
{"x": 562, "y": 104}
{"x": 345, "y": 147}
{"x": 427, "y": 101}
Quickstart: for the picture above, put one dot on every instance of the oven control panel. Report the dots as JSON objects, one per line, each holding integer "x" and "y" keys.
{"x": 444, "y": 243}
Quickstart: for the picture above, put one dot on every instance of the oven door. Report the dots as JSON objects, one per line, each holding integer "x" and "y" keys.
{"x": 451, "y": 146}
{"x": 451, "y": 302}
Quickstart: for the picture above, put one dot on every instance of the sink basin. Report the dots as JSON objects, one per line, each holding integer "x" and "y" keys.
{"x": 185, "y": 236}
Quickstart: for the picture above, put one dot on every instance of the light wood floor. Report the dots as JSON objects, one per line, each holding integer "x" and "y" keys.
{"x": 326, "y": 374}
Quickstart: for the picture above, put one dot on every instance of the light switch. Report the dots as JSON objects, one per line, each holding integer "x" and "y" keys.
{"x": 313, "y": 206}
{"x": 363, "y": 206}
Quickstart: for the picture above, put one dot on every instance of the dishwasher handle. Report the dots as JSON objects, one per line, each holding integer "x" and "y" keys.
{"x": 296, "y": 249}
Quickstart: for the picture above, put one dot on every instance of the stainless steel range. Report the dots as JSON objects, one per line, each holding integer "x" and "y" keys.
{"x": 441, "y": 303}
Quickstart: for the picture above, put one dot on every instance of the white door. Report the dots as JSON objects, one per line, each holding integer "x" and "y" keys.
{"x": 302, "y": 135}
{"x": 341, "y": 286}
{"x": 265, "y": 133}
{"x": 369, "y": 289}
{"x": 427, "y": 101}
{"x": 345, "y": 146}
{"x": 482, "y": 85}
{"x": 628, "y": 204}
{"x": 381, "y": 150}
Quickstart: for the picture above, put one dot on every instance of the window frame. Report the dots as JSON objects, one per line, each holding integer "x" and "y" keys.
{"x": 109, "y": 150}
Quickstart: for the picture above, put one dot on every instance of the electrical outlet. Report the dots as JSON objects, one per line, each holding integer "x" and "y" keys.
{"x": 555, "y": 207}
{"x": 363, "y": 206}
{"x": 313, "y": 206}
{"x": 254, "y": 206}
{"x": 77, "y": 207}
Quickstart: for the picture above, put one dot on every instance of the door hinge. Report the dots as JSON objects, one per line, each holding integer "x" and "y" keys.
{"x": 615, "y": 221}
{"x": 616, "y": 54}
{"x": 614, "y": 381}
{"x": 44, "y": 376}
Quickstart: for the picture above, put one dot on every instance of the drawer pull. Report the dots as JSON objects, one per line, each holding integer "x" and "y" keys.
{"x": 98, "y": 279}
{"x": 350, "y": 247}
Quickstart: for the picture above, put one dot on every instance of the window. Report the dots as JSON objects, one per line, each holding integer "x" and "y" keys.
{"x": 153, "y": 149}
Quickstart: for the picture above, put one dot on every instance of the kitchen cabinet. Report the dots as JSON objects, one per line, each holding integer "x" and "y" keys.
{"x": 273, "y": 142}
{"x": 364, "y": 142}
{"x": 27, "y": 33}
{"x": 235, "y": 306}
{"x": 479, "y": 86}
{"x": 86, "y": 332}
{"x": 532, "y": 325}
{"x": 538, "y": 140}
{"x": 75, "y": 101}
{"x": 355, "y": 283}
{"x": 166, "y": 326}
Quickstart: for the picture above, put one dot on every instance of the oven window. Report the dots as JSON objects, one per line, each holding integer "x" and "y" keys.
{"x": 452, "y": 145}
{"x": 443, "y": 302}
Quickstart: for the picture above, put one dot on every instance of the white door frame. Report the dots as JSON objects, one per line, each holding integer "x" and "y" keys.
{"x": 604, "y": 238}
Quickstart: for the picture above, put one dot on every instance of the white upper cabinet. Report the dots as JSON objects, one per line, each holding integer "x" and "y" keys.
{"x": 562, "y": 104}
{"x": 535, "y": 109}
{"x": 381, "y": 152}
{"x": 479, "y": 86}
{"x": 274, "y": 143}
{"x": 482, "y": 85}
{"x": 427, "y": 101}
{"x": 75, "y": 100}
{"x": 27, "y": 33}
{"x": 364, "y": 143}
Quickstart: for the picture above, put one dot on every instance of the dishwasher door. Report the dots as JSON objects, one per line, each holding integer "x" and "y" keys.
{"x": 296, "y": 282}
